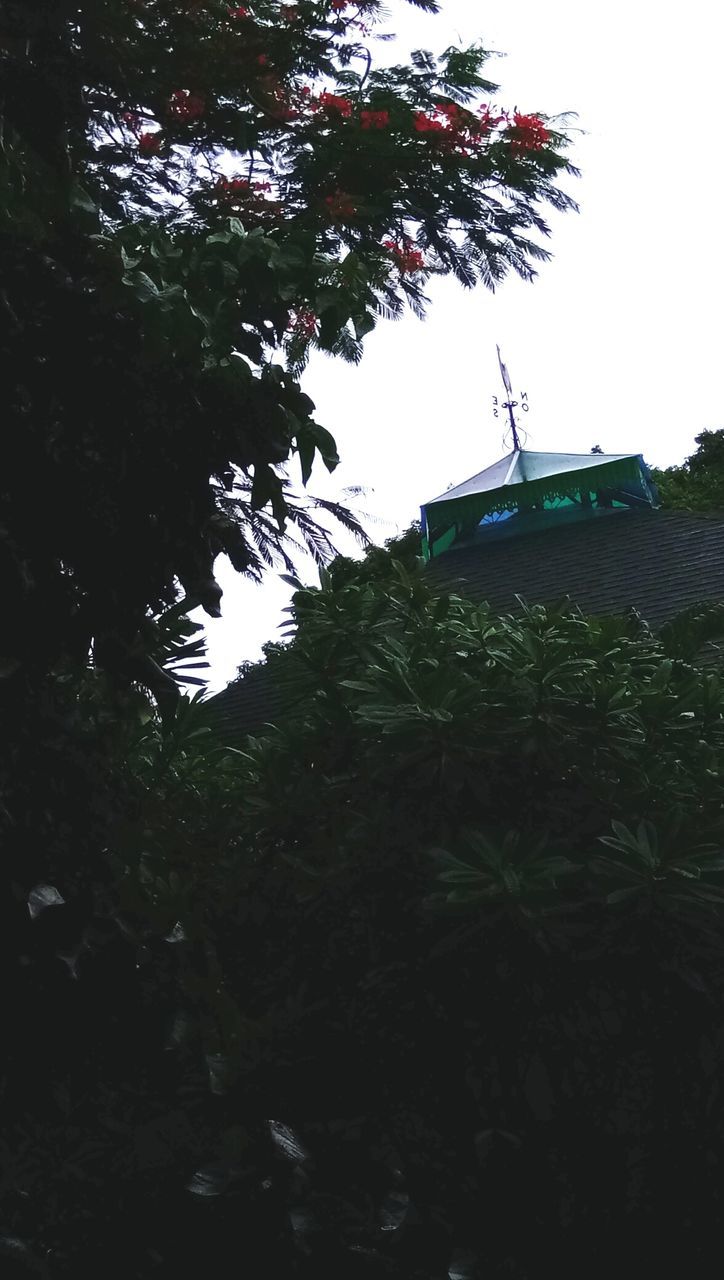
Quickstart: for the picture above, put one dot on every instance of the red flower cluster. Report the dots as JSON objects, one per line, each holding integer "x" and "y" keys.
{"x": 238, "y": 188}
{"x": 340, "y": 6}
{"x": 374, "y": 119}
{"x": 340, "y": 206}
{"x": 528, "y": 133}
{"x": 287, "y": 102}
{"x": 304, "y": 322}
{"x": 184, "y": 105}
{"x": 249, "y": 200}
{"x": 149, "y": 144}
{"x": 239, "y": 12}
{"x": 458, "y": 120}
{"x": 427, "y": 124}
{"x": 131, "y": 119}
{"x": 331, "y": 102}
{"x": 407, "y": 259}
{"x": 454, "y": 128}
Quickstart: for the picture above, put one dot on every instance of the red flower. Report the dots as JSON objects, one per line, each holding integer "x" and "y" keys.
{"x": 239, "y": 12}
{"x": 528, "y": 133}
{"x": 248, "y": 199}
{"x": 374, "y": 119}
{"x": 407, "y": 259}
{"x": 333, "y": 103}
{"x": 449, "y": 109}
{"x": 233, "y": 186}
{"x": 184, "y": 105}
{"x": 339, "y": 5}
{"x": 456, "y": 129}
{"x": 427, "y": 124}
{"x": 262, "y": 60}
{"x": 131, "y": 119}
{"x": 149, "y": 144}
{"x": 304, "y": 322}
{"x": 240, "y": 187}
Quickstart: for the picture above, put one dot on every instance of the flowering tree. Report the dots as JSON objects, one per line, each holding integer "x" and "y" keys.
{"x": 192, "y": 196}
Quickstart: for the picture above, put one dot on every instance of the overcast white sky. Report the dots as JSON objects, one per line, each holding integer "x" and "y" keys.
{"x": 618, "y": 342}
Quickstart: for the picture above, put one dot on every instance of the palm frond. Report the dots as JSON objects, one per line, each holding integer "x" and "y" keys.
{"x": 254, "y": 541}
{"x": 177, "y": 645}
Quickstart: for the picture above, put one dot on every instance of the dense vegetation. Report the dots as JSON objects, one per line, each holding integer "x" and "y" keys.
{"x": 698, "y": 483}
{"x": 428, "y": 977}
{"x": 192, "y": 195}
{"x": 430, "y": 971}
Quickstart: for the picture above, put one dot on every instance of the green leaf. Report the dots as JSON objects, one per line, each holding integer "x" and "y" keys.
{"x": 306, "y": 449}
{"x": 142, "y": 285}
{"x": 363, "y": 324}
{"x": 623, "y": 895}
{"x": 311, "y": 439}
{"x": 80, "y": 199}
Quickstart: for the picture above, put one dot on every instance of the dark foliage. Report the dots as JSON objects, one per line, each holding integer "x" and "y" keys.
{"x": 147, "y": 295}
{"x": 698, "y": 484}
{"x": 426, "y": 979}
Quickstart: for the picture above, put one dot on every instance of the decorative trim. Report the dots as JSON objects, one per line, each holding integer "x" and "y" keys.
{"x": 465, "y": 513}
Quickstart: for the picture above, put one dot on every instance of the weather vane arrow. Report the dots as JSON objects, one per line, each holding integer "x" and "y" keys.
{"x": 504, "y": 374}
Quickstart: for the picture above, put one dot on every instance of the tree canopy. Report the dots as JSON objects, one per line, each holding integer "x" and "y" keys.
{"x": 698, "y": 483}
{"x": 191, "y": 196}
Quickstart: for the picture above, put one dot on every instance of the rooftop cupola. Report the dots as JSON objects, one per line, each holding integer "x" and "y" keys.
{"x": 527, "y": 489}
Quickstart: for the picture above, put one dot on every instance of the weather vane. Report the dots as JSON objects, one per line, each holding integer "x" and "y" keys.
{"x": 510, "y": 404}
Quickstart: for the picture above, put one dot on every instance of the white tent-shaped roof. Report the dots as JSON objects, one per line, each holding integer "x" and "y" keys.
{"x": 526, "y": 481}
{"x": 525, "y": 464}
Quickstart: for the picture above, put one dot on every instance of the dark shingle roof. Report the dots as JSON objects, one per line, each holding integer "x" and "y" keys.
{"x": 657, "y": 562}
{"x": 258, "y": 698}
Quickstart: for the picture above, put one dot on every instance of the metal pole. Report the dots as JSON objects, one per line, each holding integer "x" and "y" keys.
{"x": 510, "y": 405}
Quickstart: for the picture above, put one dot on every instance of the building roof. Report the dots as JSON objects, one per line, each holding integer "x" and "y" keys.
{"x": 257, "y": 699}
{"x": 657, "y": 562}
{"x": 525, "y": 482}
{"x": 524, "y": 465}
